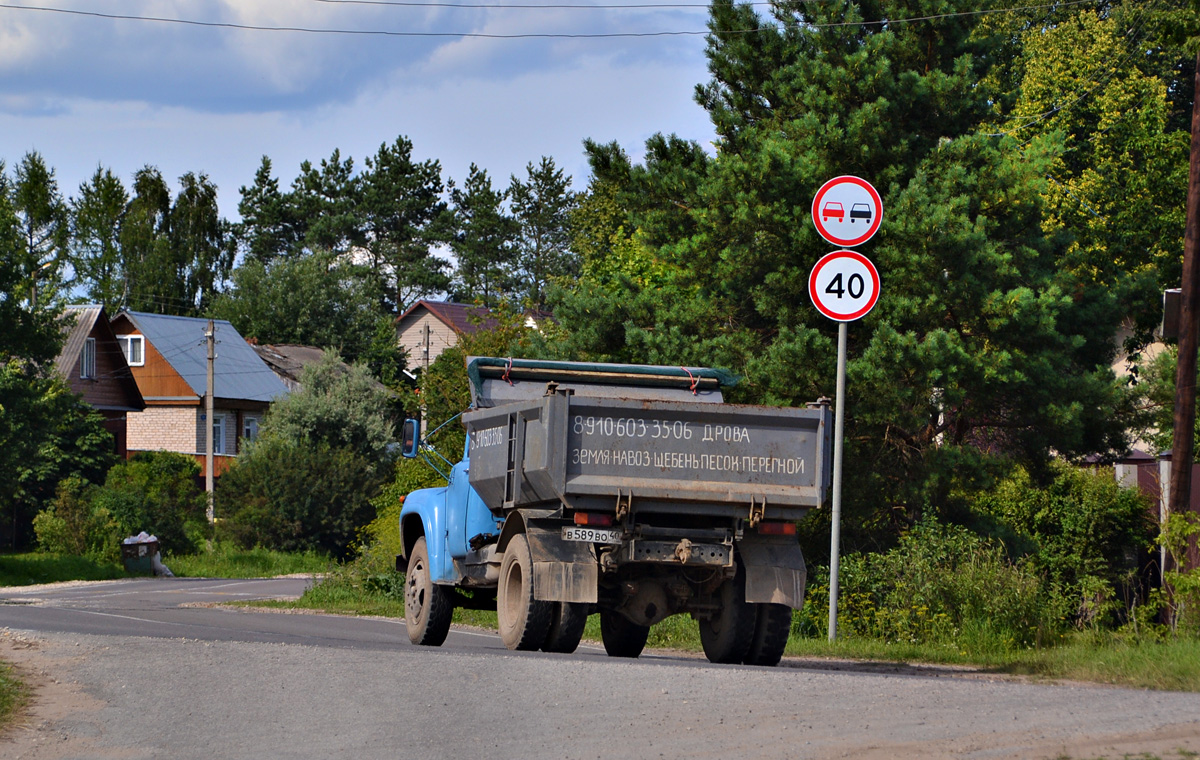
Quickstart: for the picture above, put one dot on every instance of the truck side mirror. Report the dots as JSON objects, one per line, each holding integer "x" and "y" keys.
{"x": 411, "y": 439}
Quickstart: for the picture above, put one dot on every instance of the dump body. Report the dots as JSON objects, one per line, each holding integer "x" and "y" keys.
{"x": 667, "y": 456}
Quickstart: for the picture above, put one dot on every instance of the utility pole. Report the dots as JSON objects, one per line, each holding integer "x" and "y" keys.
{"x": 425, "y": 346}
{"x": 211, "y": 342}
{"x": 1189, "y": 337}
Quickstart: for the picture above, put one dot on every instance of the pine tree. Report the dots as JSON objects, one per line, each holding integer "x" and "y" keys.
{"x": 484, "y": 243}
{"x": 96, "y": 238}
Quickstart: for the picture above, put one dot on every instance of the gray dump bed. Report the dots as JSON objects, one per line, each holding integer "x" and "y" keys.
{"x": 586, "y": 435}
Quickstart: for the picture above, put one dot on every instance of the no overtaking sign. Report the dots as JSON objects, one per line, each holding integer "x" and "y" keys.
{"x": 847, "y": 211}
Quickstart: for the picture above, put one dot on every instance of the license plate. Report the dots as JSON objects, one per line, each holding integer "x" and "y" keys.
{"x": 591, "y": 535}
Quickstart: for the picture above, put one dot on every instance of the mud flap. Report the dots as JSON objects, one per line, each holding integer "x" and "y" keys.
{"x": 563, "y": 571}
{"x": 775, "y": 571}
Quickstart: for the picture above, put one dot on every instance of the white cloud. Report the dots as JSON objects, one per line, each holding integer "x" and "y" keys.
{"x": 216, "y": 102}
{"x": 18, "y": 43}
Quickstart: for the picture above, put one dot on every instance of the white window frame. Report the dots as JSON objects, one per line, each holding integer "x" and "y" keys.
{"x": 247, "y": 434}
{"x": 218, "y": 434}
{"x": 127, "y": 342}
{"x": 87, "y": 360}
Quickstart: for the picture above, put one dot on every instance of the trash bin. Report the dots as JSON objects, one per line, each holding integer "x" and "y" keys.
{"x": 138, "y": 553}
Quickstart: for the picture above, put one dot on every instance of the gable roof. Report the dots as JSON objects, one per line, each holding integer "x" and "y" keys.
{"x": 89, "y": 319}
{"x": 462, "y": 318}
{"x": 85, "y": 319}
{"x": 238, "y": 373}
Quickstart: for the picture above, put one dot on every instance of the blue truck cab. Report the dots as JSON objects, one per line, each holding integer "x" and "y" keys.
{"x": 454, "y": 514}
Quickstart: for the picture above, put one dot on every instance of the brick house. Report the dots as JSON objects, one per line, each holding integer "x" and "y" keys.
{"x": 168, "y": 358}
{"x": 92, "y": 364}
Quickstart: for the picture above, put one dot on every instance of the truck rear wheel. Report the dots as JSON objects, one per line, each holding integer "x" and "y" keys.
{"x": 567, "y": 620}
{"x": 773, "y": 623}
{"x": 524, "y": 621}
{"x": 621, "y": 636}
{"x": 427, "y": 606}
{"x": 728, "y": 634}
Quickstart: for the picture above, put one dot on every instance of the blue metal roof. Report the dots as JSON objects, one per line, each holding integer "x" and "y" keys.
{"x": 238, "y": 372}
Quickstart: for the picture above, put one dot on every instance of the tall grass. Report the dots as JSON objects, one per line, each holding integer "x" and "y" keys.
{"x": 228, "y": 561}
{"x": 35, "y": 568}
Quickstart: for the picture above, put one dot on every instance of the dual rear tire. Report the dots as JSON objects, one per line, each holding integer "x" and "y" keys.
{"x": 742, "y": 632}
{"x": 527, "y": 623}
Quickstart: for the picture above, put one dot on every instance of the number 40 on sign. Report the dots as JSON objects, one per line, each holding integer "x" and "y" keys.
{"x": 844, "y": 285}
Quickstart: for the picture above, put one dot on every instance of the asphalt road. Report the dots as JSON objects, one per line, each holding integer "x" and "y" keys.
{"x": 149, "y": 669}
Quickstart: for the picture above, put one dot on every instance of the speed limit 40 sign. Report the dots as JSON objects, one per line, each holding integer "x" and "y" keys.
{"x": 844, "y": 285}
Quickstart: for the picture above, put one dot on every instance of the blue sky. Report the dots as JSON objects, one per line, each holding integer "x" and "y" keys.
{"x": 87, "y": 91}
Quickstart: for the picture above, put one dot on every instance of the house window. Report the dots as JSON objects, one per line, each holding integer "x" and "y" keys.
{"x": 218, "y": 434}
{"x": 87, "y": 360}
{"x": 133, "y": 348}
{"x": 249, "y": 428}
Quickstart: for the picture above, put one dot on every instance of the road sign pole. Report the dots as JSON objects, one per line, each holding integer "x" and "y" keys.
{"x": 844, "y": 286}
{"x": 835, "y": 535}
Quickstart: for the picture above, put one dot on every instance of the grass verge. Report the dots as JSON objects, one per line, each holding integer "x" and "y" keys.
{"x": 34, "y": 568}
{"x": 227, "y": 561}
{"x": 224, "y": 561}
{"x": 13, "y": 695}
{"x": 1172, "y": 664}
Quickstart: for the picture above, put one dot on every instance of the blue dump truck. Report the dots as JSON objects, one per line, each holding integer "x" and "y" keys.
{"x": 630, "y": 491}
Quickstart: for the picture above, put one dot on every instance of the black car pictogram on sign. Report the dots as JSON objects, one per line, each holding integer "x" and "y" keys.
{"x": 860, "y": 211}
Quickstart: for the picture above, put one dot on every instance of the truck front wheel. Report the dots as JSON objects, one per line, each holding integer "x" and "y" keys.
{"x": 621, "y": 636}
{"x": 524, "y": 621}
{"x": 427, "y": 606}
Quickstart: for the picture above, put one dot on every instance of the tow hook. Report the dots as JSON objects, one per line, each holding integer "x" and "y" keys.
{"x": 683, "y": 552}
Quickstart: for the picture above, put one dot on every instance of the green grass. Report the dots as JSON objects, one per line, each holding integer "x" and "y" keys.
{"x": 13, "y": 694}
{"x": 1172, "y": 665}
{"x": 226, "y": 561}
{"x": 33, "y": 568}
{"x": 223, "y": 562}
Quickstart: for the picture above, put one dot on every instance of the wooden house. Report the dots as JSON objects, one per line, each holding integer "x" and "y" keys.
{"x": 93, "y": 365}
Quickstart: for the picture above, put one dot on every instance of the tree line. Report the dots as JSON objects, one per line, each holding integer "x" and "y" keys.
{"x": 325, "y": 261}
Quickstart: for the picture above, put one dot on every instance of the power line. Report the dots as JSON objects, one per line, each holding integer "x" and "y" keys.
{"x": 352, "y": 32}
{"x": 518, "y": 6}
{"x": 526, "y": 35}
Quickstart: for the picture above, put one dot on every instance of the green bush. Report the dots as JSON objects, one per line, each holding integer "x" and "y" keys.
{"x": 383, "y": 533}
{"x": 72, "y": 525}
{"x": 942, "y": 585}
{"x": 294, "y": 496}
{"x": 154, "y": 492}
{"x": 1083, "y": 531}
{"x": 1181, "y": 595}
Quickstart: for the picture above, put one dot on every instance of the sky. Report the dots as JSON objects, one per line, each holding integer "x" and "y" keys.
{"x": 213, "y": 96}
